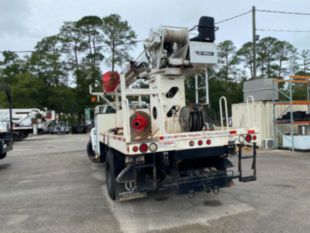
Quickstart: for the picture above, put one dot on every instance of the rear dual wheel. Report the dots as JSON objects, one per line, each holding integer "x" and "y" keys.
{"x": 114, "y": 165}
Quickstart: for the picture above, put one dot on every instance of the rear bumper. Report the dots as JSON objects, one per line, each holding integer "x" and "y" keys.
{"x": 184, "y": 172}
{"x": 187, "y": 173}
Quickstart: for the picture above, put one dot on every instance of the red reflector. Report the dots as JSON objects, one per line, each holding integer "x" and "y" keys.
{"x": 208, "y": 142}
{"x": 191, "y": 143}
{"x": 248, "y": 138}
{"x": 135, "y": 149}
{"x": 161, "y": 137}
{"x": 254, "y": 137}
{"x": 200, "y": 142}
{"x": 143, "y": 148}
{"x": 251, "y": 131}
{"x": 233, "y": 132}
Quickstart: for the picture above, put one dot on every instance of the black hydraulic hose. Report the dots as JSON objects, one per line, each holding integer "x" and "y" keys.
{"x": 195, "y": 121}
{"x": 201, "y": 124}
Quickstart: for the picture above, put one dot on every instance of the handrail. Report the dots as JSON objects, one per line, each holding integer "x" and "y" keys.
{"x": 250, "y": 99}
{"x": 223, "y": 98}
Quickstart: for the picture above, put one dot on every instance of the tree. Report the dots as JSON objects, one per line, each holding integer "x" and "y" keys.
{"x": 89, "y": 27}
{"x": 227, "y": 59}
{"x": 46, "y": 62}
{"x": 282, "y": 51}
{"x": 10, "y": 66}
{"x": 72, "y": 44}
{"x": 266, "y": 55}
{"x": 231, "y": 90}
{"x": 27, "y": 91}
{"x": 293, "y": 61}
{"x": 305, "y": 60}
{"x": 119, "y": 38}
{"x": 63, "y": 99}
{"x": 245, "y": 56}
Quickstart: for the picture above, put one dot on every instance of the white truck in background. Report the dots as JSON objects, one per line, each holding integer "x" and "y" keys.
{"x": 6, "y": 135}
{"x": 27, "y": 120}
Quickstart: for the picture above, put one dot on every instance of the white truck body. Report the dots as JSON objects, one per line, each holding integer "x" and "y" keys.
{"x": 23, "y": 118}
{"x": 167, "y": 137}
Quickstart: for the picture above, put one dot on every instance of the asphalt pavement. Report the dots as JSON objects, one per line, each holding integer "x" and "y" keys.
{"x": 47, "y": 184}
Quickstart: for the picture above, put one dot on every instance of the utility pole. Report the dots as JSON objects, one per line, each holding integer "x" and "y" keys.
{"x": 254, "y": 40}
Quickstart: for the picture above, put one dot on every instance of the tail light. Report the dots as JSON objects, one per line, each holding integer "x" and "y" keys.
{"x": 200, "y": 142}
{"x": 153, "y": 147}
{"x": 208, "y": 141}
{"x": 191, "y": 143}
{"x": 135, "y": 149}
{"x": 251, "y": 131}
{"x": 233, "y": 132}
{"x": 254, "y": 137}
{"x": 248, "y": 138}
{"x": 143, "y": 148}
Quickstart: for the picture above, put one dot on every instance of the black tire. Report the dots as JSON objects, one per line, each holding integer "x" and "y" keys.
{"x": 113, "y": 166}
{"x": 26, "y": 134}
{"x": 103, "y": 152}
{"x": 91, "y": 154}
{"x": 18, "y": 136}
{"x": 2, "y": 156}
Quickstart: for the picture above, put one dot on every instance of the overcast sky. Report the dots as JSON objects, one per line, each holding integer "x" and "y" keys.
{"x": 24, "y": 22}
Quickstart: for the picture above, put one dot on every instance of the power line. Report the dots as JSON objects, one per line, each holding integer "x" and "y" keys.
{"x": 232, "y": 18}
{"x": 282, "y": 30}
{"x": 284, "y": 12}
{"x": 18, "y": 51}
{"x": 219, "y": 22}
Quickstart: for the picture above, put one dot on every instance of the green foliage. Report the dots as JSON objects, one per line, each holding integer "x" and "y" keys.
{"x": 89, "y": 28}
{"x": 245, "y": 57}
{"x": 227, "y": 59}
{"x": 63, "y": 99}
{"x": 46, "y": 64}
{"x": 119, "y": 38}
{"x": 11, "y": 66}
{"x": 72, "y": 44}
{"x": 305, "y": 60}
{"x": 231, "y": 90}
{"x": 27, "y": 91}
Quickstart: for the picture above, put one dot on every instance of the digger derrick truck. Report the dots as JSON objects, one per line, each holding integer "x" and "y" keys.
{"x": 166, "y": 144}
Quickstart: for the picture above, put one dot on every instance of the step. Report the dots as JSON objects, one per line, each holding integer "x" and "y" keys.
{"x": 247, "y": 178}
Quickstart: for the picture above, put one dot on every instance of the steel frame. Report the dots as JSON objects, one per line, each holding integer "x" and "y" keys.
{"x": 292, "y": 79}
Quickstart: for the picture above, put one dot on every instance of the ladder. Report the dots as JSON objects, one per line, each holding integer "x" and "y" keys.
{"x": 206, "y": 88}
{"x": 249, "y": 178}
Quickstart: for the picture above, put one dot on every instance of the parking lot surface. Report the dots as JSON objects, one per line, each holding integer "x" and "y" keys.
{"x": 47, "y": 184}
